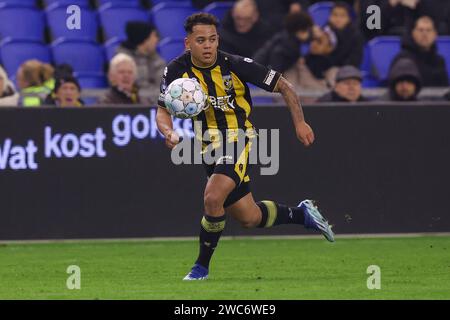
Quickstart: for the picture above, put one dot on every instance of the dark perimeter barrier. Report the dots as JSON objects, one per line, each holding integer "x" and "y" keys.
{"x": 106, "y": 172}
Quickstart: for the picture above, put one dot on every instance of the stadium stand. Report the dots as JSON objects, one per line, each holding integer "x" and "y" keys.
{"x": 14, "y": 52}
{"x": 92, "y": 81}
{"x": 74, "y": 52}
{"x": 169, "y": 18}
{"x": 110, "y": 47}
{"x": 443, "y": 44}
{"x": 135, "y": 3}
{"x": 56, "y": 15}
{"x": 22, "y": 3}
{"x": 83, "y": 3}
{"x": 320, "y": 12}
{"x": 170, "y": 48}
{"x": 219, "y": 9}
{"x": 114, "y": 16}
{"x": 42, "y": 34}
{"x": 381, "y": 52}
{"x": 21, "y": 22}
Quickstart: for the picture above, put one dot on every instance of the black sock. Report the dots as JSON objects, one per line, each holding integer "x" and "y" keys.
{"x": 210, "y": 232}
{"x": 274, "y": 214}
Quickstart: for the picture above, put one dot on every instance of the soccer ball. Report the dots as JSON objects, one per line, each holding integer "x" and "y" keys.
{"x": 184, "y": 98}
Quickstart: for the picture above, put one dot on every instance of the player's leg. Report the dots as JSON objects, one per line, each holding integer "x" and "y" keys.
{"x": 217, "y": 190}
{"x": 227, "y": 172}
{"x": 266, "y": 214}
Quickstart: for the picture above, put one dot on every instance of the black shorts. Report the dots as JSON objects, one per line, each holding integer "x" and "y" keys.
{"x": 232, "y": 161}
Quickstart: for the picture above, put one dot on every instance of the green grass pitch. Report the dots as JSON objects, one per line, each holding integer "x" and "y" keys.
{"x": 411, "y": 268}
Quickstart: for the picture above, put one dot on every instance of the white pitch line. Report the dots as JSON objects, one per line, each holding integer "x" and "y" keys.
{"x": 227, "y": 238}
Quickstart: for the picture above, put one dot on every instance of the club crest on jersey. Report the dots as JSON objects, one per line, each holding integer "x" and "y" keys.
{"x": 227, "y": 82}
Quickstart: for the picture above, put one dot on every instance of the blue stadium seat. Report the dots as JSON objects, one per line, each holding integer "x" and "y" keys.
{"x": 83, "y": 56}
{"x": 365, "y": 63}
{"x": 135, "y": 3}
{"x": 21, "y": 23}
{"x": 169, "y": 18}
{"x": 370, "y": 82}
{"x": 366, "y": 70}
{"x": 81, "y": 3}
{"x": 21, "y": 3}
{"x": 111, "y": 46}
{"x": 170, "y": 48}
{"x": 56, "y": 20}
{"x": 443, "y": 45}
{"x": 155, "y": 2}
{"x": 114, "y": 18}
{"x": 15, "y": 52}
{"x": 219, "y": 9}
{"x": 382, "y": 51}
{"x": 92, "y": 81}
{"x": 320, "y": 12}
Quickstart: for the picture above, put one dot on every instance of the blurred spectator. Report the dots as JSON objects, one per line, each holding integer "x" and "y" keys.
{"x": 282, "y": 51}
{"x": 59, "y": 71}
{"x": 347, "y": 87}
{"x": 8, "y": 95}
{"x": 315, "y": 71}
{"x": 350, "y": 42}
{"x": 274, "y": 12}
{"x": 398, "y": 16}
{"x": 421, "y": 47}
{"x": 142, "y": 39}
{"x": 439, "y": 11}
{"x": 122, "y": 76}
{"x": 404, "y": 81}
{"x": 66, "y": 93}
{"x": 33, "y": 77}
{"x": 242, "y": 31}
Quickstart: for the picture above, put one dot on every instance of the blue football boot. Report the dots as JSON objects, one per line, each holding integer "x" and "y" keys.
{"x": 314, "y": 220}
{"x": 197, "y": 272}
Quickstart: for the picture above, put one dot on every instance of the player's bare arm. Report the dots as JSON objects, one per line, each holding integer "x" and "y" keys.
{"x": 304, "y": 132}
{"x": 165, "y": 126}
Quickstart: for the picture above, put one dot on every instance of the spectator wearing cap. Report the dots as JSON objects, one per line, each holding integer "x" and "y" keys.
{"x": 122, "y": 77}
{"x": 142, "y": 40}
{"x": 8, "y": 94}
{"x": 347, "y": 87}
{"x": 66, "y": 93}
{"x": 242, "y": 31}
{"x": 404, "y": 81}
{"x": 350, "y": 42}
{"x": 282, "y": 51}
{"x": 420, "y": 47}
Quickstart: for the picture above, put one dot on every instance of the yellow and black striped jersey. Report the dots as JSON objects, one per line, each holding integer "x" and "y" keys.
{"x": 229, "y": 102}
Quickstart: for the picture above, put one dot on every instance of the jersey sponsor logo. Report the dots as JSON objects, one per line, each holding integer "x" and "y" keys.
{"x": 269, "y": 77}
{"x": 223, "y": 103}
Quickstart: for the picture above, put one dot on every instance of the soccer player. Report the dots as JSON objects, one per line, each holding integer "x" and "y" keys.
{"x": 223, "y": 77}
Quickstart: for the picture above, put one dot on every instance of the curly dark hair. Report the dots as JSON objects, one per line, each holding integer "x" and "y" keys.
{"x": 200, "y": 18}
